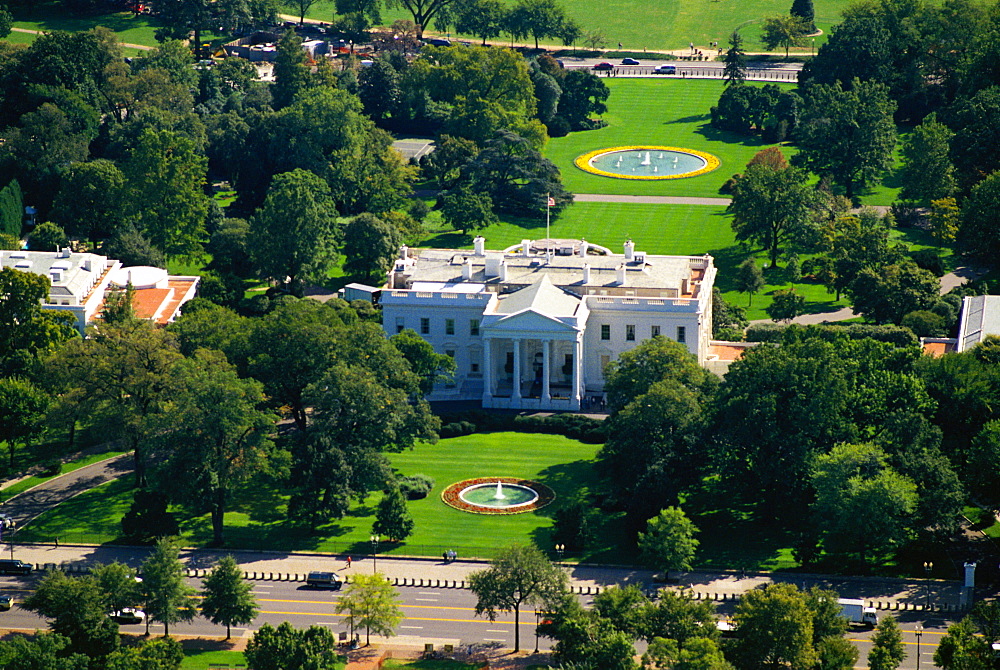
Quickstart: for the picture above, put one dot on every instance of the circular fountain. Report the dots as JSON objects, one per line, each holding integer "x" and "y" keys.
{"x": 497, "y": 495}
{"x": 647, "y": 162}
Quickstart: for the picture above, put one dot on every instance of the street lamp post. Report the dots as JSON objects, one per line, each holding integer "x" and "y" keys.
{"x": 538, "y": 618}
{"x": 560, "y": 550}
{"x": 928, "y": 568}
{"x": 919, "y": 631}
{"x": 374, "y": 540}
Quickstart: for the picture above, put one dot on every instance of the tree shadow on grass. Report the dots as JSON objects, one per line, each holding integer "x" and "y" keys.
{"x": 688, "y": 119}
{"x": 728, "y": 137}
{"x": 726, "y": 261}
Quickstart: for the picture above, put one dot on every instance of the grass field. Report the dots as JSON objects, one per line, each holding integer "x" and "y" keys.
{"x": 25, "y": 484}
{"x": 639, "y": 25}
{"x": 199, "y": 659}
{"x": 730, "y": 538}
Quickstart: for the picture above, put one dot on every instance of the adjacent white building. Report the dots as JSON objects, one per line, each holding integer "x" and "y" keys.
{"x": 80, "y": 282}
{"x": 534, "y": 326}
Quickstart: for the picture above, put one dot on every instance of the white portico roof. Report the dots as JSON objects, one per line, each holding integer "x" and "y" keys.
{"x": 540, "y": 307}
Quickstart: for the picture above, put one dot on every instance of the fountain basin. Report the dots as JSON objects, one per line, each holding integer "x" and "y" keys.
{"x": 647, "y": 162}
{"x": 497, "y": 495}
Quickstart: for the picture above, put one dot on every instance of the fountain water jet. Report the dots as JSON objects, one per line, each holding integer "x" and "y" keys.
{"x": 499, "y": 494}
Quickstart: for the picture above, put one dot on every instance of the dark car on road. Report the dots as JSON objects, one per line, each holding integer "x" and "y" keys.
{"x": 629, "y": 61}
{"x": 14, "y": 567}
{"x": 128, "y": 616}
{"x": 324, "y": 580}
{"x": 603, "y": 66}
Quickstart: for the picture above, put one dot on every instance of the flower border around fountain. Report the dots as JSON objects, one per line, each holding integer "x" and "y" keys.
{"x": 584, "y": 162}
{"x": 452, "y": 495}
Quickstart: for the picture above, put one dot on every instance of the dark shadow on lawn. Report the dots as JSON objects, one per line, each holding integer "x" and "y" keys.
{"x": 689, "y": 119}
{"x": 714, "y": 134}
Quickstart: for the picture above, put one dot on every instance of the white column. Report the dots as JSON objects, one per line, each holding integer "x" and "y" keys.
{"x": 487, "y": 370}
{"x": 515, "y": 394}
{"x": 577, "y": 372}
{"x": 546, "y": 358}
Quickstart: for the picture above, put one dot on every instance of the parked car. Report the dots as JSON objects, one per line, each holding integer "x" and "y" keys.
{"x": 324, "y": 580}
{"x": 665, "y": 69}
{"x": 6, "y": 602}
{"x": 128, "y": 616}
{"x": 14, "y": 567}
{"x": 629, "y": 61}
{"x": 603, "y": 66}
{"x": 438, "y": 42}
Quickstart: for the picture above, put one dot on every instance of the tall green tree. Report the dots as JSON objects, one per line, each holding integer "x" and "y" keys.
{"x": 889, "y": 293}
{"x": 963, "y": 649}
{"x": 227, "y": 598}
{"x": 76, "y": 609}
{"x": 769, "y": 206}
{"x": 370, "y": 246}
{"x": 464, "y": 209}
{"x": 519, "y": 575}
{"x": 749, "y": 278}
{"x": 295, "y": 232}
{"x": 160, "y": 654}
{"x": 848, "y": 135}
{"x": 867, "y": 506}
{"x": 216, "y": 434}
{"x": 669, "y": 541}
{"x": 291, "y": 73}
{"x": 803, "y": 10}
{"x": 978, "y": 232}
{"x": 300, "y": 7}
{"x": 538, "y": 18}
{"x": 41, "y": 651}
{"x": 392, "y": 518}
{"x": 583, "y": 94}
{"x": 654, "y": 360}
{"x": 887, "y": 650}
{"x": 927, "y": 172}
{"x": 783, "y": 31}
{"x": 165, "y": 180}
{"x": 286, "y": 647}
{"x": 372, "y": 603}
{"x": 483, "y": 18}
{"x": 168, "y": 598}
{"x": 774, "y": 630}
{"x": 118, "y": 585}
{"x": 786, "y": 305}
{"x": 22, "y": 413}
{"x": 422, "y": 11}
{"x": 430, "y": 366}
{"x": 119, "y": 376}
{"x": 735, "y": 71}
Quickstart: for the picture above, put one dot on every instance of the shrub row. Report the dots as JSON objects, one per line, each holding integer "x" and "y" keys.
{"x": 11, "y": 209}
{"x": 573, "y": 426}
{"x": 773, "y": 332}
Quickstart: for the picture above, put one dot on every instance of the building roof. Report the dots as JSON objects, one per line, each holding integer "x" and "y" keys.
{"x": 541, "y": 297}
{"x": 71, "y": 274}
{"x": 445, "y": 266}
{"x": 980, "y": 317}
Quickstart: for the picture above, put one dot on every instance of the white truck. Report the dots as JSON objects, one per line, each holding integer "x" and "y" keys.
{"x": 855, "y": 612}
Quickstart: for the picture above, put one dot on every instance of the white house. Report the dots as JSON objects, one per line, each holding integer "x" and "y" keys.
{"x": 80, "y": 282}
{"x": 533, "y": 326}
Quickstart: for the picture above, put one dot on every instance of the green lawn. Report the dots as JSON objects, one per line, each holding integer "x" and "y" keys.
{"x": 199, "y": 659}
{"x": 25, "y": 484}
{"x": 640, "y": 25}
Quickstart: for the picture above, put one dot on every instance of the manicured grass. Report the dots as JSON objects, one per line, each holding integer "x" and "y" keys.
{"x": 199, "y": 659}
{"x": 657, "y": 229}
{"x": 25, "y": 484}
{"x": 50, "y": 16}
{"x": 664, "y": 111}
{"x": 429, "y": 664}
{"x": 258, "y": 516}
{"x": 640, "y": 25}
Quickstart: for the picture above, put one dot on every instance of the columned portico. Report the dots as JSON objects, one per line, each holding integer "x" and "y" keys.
{"x": 546, "y": 394}
{"x": 487, "y": 372}
{"x": 516, "y": 390}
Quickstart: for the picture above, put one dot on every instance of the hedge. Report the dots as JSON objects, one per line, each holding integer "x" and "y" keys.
{"x": 573, "y": 426}
{"x": 772, "y": 332}
{"x": 11, "y": 209}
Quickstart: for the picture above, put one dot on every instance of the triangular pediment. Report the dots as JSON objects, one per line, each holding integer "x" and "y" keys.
{"x": 529, "y": 320}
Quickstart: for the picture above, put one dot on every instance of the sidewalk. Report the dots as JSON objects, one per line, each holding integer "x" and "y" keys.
{"x": 585, "y": 579}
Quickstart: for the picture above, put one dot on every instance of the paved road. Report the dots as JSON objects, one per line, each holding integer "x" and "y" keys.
{"x": 26, "y": 506}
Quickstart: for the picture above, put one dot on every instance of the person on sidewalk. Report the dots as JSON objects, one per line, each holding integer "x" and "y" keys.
{"x": 348, "y": 561}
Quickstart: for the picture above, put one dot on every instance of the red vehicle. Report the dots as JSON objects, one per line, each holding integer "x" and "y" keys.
{"x": 603, "y": 66}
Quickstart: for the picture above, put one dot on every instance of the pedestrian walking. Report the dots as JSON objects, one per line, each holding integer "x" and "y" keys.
{"x": 348, "y": 561}
{"x": 444, "y": 555}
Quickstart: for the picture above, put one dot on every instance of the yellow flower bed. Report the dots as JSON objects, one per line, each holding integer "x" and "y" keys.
{"x": 583, "y": 162}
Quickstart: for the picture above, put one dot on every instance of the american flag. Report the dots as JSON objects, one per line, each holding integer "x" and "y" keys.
{"x": 552, "y": 202}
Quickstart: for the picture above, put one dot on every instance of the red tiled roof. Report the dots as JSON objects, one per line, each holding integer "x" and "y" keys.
{"x": 727, "y": 352}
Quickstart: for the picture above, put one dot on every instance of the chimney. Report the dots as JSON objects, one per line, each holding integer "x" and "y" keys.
{"x": 583, "y": 248}
{"x": 586, "y": 273}
{"x": 467, "y": 269}
{"x": 525, "y": 248}
{"x": 629, "y": 250}
{"x": 88, "y": 263}
{"x": 480, "y": 245}
{"x": 503, "y": 271}
{"x": 620, "y": 278}
{"x": 65, "y": 252}
{"x": 685, "y": 286}
{"x": 404, "y": 252}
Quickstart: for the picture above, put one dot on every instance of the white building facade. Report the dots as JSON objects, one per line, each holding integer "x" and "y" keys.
{"x": 535, "y": 325}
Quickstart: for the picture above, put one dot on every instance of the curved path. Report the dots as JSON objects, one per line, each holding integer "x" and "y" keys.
{"x": 25, "y": 506}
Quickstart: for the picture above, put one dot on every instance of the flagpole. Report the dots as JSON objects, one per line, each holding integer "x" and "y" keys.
{"x": 548, "y": 209}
